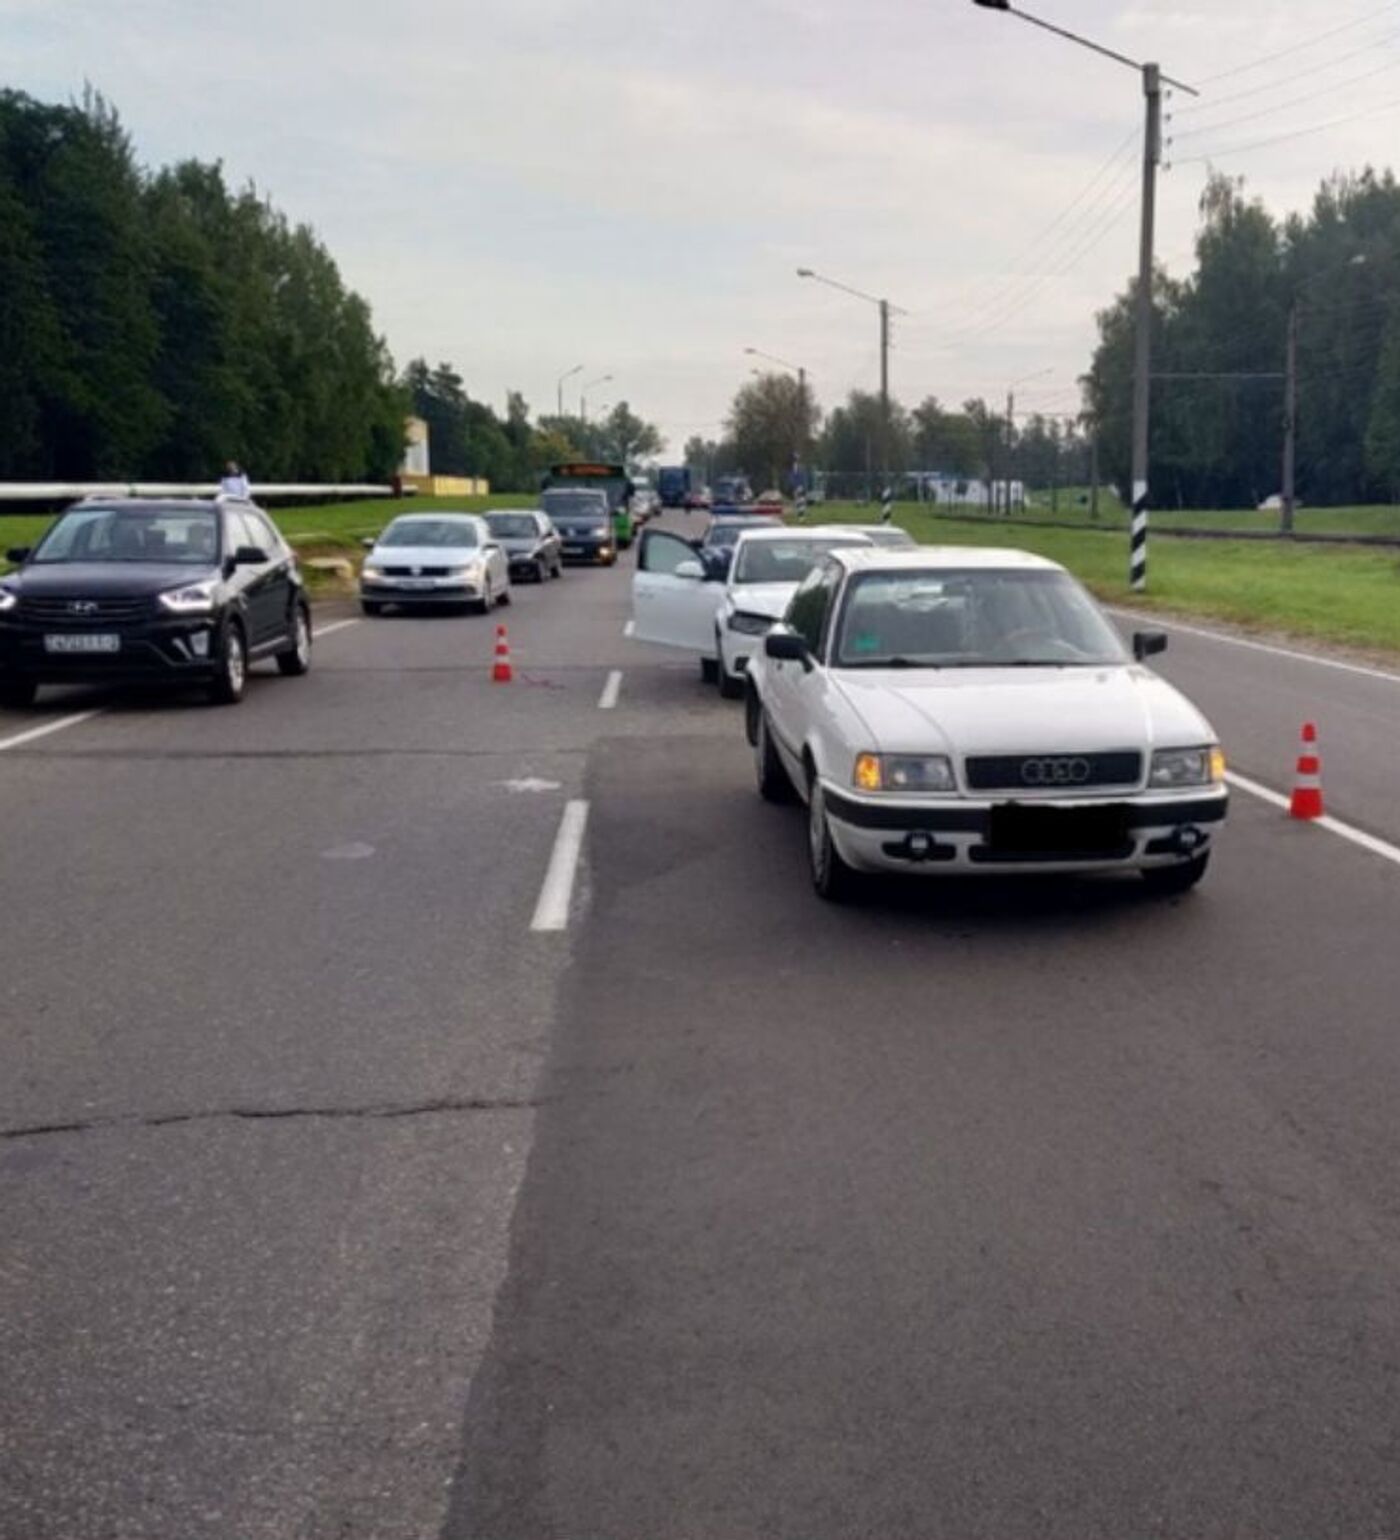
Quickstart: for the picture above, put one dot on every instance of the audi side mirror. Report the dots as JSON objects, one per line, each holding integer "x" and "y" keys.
{"x": 1146, "y": 643}
{"x": 17, "y": 554}
{"x": 787, "y": 647}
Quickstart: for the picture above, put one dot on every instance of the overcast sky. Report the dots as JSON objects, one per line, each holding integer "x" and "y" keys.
{"x": 523, "y": 185}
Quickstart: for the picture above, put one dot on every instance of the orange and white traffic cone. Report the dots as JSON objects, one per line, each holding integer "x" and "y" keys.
{"x": 501, "y": 671}
{"x": 1306, "y": 801}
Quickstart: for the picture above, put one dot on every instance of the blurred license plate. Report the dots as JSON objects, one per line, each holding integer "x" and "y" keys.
{"x": 414, "y": 584}
{"x": 84, "y": 641}
{"x": 574, "y": 550}
{"x": 1048, "y": 830}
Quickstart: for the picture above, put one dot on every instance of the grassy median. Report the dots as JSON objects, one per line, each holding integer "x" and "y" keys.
{"x": 1345, "y": 594}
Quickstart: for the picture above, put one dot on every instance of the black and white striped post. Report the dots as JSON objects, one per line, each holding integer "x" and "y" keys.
{"x": 886, "y": 505}
{"x": 1137, "y": 540}
{"x": 1142, "y": 342}
{"x": 801, "y": 502}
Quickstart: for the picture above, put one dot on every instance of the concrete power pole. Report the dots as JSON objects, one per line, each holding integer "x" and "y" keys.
{"x": 1290, "y": 424}
{"x": 1142, "y": 352}
{"x": 886, "y": 509}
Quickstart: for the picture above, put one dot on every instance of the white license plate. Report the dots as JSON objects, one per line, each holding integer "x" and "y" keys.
{"x": 416, "y": 585}
{"x": 83, "y": 641}
{"x": 574, "y": 550}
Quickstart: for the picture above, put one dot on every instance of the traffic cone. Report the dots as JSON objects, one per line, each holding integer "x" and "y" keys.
{"x": 501, "y": 671}
{"x": 1306, "y": 801}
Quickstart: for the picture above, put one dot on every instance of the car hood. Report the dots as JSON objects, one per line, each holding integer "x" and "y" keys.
{"x": 424, "y": 555}
{"x": 105, "y": 579}
{"x": 515, "y": 545}
{"x": 770, "y": 599}
{"x": 1022, "y": 710}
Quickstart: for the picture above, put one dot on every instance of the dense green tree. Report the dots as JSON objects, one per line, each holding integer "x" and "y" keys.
{"x": 771, "y": 423}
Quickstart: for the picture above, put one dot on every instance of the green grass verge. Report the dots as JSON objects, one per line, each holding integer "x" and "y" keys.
{"x": 1345, "y": 594}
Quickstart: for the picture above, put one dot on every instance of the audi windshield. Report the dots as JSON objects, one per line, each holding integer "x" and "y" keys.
{"x": 188, "y": 536}
{"x": 982, "y": 618}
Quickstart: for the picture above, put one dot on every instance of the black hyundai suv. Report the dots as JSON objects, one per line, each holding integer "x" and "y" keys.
{"x": 141, "y": 591}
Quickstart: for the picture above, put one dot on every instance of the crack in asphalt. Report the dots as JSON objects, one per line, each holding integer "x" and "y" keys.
{"x": 380, "y": 1111}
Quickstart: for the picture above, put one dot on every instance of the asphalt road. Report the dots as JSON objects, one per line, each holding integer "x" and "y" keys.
{"x": 338, "y": 1202}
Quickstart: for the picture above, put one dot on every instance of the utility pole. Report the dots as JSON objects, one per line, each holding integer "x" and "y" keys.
{"x": 885, "y": 435}
{"x": 1010, "y": 444}
{"x": 1094, "y": 474}
{"x": 1142, "y": 350}
{"x": 1290, "y": 424}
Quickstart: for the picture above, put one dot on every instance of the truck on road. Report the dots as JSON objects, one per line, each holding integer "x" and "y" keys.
{"x": 673, "y": 482}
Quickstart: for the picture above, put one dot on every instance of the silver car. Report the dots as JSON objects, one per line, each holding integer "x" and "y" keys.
{"x": 434, "y": 559}
{"x": 530, "y": 541}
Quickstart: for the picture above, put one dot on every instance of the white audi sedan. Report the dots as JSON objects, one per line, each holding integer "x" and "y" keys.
{"x": 962, "y": 710}
{"x": 678, "y": 602}
{"x": 432, "y": 559}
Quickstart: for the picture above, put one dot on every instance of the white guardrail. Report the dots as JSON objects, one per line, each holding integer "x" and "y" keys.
{"x": 46, "y": 491}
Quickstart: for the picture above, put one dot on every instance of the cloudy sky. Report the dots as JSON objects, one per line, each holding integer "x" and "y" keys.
{"x": 524, "y": 185}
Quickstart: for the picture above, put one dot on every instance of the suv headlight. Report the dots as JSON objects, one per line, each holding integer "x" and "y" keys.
{"x": 1204, "y": 766}
{"x": 8, "y": 599}
{"x": 904, "y": 772}
{"x": 750, "y": 625}
{"x": 193, "y": 599}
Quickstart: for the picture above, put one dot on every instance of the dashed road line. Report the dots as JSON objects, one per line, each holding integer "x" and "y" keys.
{"x": 1343, "y": 830}
{"x": 552, "y": 909}
{"x": 56, "y": 726}
{"x": 335, "y": 625}
{"x": 608, "y": 699}
{"x": 1253, "y": 646}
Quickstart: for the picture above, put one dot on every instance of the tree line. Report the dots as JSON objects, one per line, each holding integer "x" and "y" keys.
{"x": 155, "y": 324}
{"x": 775, "y": 423}
{"x": 1220, "y": 353}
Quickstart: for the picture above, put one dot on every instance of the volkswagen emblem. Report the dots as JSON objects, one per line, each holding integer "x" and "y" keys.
{"x": 82, "y": 606}
{"x": 1063, "y": 771}
{"x": 415, "y": 572}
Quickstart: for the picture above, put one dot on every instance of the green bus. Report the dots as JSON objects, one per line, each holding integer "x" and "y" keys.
{"x": 611, "y": 479}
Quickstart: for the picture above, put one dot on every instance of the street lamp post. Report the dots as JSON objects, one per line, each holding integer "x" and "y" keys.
{"x": 800, "y": 468}
{"x": 1011, "y": 428}
{"x": 568, "y": 374}
{"x": 886, "y": 310}
{"x": 1152, "y": 82}
{"x": 583, "y": 394}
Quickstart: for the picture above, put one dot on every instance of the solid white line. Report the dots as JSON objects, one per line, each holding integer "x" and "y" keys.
{"x": 629, "y": 628}
{"x": 552, "y": 910}
{"x": 49, "y": 727}
{"x": 1240, "y": 641}
{"x": 335, "y": 625}
{"x": 1346, "y": 831}
{"x": 608, "y": 699}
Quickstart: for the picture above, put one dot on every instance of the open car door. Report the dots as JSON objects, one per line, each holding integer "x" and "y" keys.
{"x": 672, "y": 601}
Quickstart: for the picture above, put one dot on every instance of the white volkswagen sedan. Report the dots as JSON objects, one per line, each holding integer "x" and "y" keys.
{"x": 434, "y": 559}
{"x": 963, "y": 710}
{"x": 678, "y": 602}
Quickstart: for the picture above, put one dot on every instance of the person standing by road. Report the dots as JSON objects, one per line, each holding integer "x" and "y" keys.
{"x": 235, "y": 483}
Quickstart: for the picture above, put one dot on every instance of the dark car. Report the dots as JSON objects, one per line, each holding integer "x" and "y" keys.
{"x": 164, "y": 592}
{"x": 584, "y": 521}
{"x": 530, "y": 541}
{"x": 717, "y": 545}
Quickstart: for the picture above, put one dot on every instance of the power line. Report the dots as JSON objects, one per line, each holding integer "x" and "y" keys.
{"x": 1318, "y": 68}
{"x": 1297, "y": 133}
{"x": 1310, "y": 42}
{"x": 1293, "y": 101}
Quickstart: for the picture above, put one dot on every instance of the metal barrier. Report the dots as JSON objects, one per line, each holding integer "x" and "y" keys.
{"x": 59, "y": 491}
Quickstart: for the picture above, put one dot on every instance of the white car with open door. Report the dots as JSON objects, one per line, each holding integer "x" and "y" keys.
{"x": 961, "y": 710}
{"x": 678, "y": 601}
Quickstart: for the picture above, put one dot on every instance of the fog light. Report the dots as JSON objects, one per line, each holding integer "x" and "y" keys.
{"x": 919, "y": 846}
{"x": 199, "y": 643}
{"x": 1189, "y": 839}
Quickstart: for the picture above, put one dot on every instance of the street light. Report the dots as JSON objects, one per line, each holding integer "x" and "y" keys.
{"x": 568, "y": 374}
{"x": 583, "y": 393}
{"x": 886, "y": 310}
{"x": 1152, "y": 81}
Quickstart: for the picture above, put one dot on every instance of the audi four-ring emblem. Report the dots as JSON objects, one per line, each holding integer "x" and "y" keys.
{"x": 1055, "y": 772}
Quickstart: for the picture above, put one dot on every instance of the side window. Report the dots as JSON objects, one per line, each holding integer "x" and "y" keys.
{"x": 810, "y": 604}
{"x": 662, "y": 553}
{"x": 264, "y": 532}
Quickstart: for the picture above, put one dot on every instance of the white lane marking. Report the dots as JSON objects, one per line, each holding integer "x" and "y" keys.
{"x": 629, "y": 628}
{"x": 1346, "y": 831}
{"x": 608, "y": 699}
{"x": 49, "y": 727}
{"x": 529, "y": 783}
{"x": 552, "y": 910}
{"x": 335, "y": 625}
{"x": 1240, "y": 641}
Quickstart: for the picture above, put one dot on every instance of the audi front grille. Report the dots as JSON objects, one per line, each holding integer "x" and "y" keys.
{"x": 1052, "y": 772}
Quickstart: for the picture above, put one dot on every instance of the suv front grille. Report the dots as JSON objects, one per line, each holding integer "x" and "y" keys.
{"x": 1052, "y": 772}
{"x": 78, "y": 611}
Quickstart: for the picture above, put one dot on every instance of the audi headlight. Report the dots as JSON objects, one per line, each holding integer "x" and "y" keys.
{"x": 1204, "y": 766}
{"x": 193, "y": 599}
{"x": 8, "y": 600}
{"x": 750, "y": 625}
{"x": 904, "y": 773}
